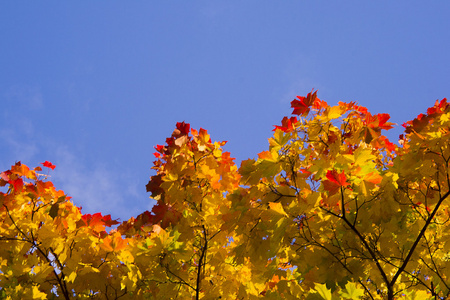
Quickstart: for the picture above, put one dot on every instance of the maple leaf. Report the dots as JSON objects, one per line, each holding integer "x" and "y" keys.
{"x": 332, "y": 137}
{"x": 422, "y": 120}
{"x": 48, "y": 164}
{"x": 108, "y": 221}
{"x": 202, "y": 139}
{"x": 17, "y": 184}
{"x": 93, "y": 220}
{"x": 318, "y": 104}
{"x": 165, "y": 215}
{"x": 181, "y": 129}
{"x": 373, "y": 177}
{"x": 384, "y": 142}
{"x": 303, "y": 105}
{"x": 439, "y": 107}
{"x": 382, "y": 121}
{"x": 336, "y": 178}
{"x": 417, "y": 125}
{"x": 286, "y": 124}
{"x": 96, "y": 221}
{"x": 160, "y": 149}
{"x": 22, "y": 170}
{"x": 374, "y": 125}
{"x": 154, "y": 185}
{"x": 113, "y": 242}
{"x": 335, "y": 181}
{"x": 143, "y": 219}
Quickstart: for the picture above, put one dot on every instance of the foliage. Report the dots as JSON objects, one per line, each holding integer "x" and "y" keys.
{"x": 332, "y": 210}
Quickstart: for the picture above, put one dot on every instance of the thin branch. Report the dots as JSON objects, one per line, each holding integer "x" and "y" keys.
{"x": 416, "y": 242}
{"x": 200, "y": 264}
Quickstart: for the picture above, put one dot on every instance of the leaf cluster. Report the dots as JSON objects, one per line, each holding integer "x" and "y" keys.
{"x": 332, "y": 210}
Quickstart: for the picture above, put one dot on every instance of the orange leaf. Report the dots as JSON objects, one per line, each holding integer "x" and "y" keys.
{"x": 22, "y": 170}
{"x": 373, "y": 177}
{"x": 114, "y": 242}
{"x": 265, "y": 155}
{"x": 106, "y": 245}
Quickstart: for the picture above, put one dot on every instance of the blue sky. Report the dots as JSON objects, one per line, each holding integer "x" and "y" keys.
{"x": 93, "y": 87}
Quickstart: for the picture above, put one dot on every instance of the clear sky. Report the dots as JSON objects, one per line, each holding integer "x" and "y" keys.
{"x": 93, "y": 86}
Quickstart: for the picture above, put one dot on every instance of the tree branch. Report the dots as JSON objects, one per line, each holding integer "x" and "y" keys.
{"x": 419, "y": 237}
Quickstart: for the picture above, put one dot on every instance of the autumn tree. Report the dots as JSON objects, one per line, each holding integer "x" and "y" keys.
{"x": 355, "y": 210}
{"x": 332, "y": 210}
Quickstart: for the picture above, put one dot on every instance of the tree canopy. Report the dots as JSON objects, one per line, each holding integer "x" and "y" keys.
{"x": 332, "y": 210}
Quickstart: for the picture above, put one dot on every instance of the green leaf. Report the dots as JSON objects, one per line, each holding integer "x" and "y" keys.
{"x": 61, "y": 199}
{"x": 54, "y": 210}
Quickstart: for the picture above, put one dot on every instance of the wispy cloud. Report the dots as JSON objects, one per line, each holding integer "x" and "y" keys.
{"x": 17, "y": 130}
{"x": 16, "y": 147}
{"x": 25, "y": 96}
{"x": 96, "y": 188}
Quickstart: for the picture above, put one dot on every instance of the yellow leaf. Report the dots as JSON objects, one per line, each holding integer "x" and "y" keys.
{"x": 417, "y": 295}
{"x": 38, "y": 294}
{"x": 323, "y": 291}
{"x": 334, "y": 112}
{"x": 277, "y": 207}
{"x": 72, "y": 276}
{"x": 352, "y": 291}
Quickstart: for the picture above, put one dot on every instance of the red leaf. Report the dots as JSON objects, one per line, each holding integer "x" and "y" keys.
{"x": 383, "y": 142}
{"x": 374, "y": 125}
{"x": 417, "y": 124}
{"x": 160, "y": 150}
{"x": 17, "y": 184}
{"x": 382, "y": 121}
{"x": 303, "y": 105}
{"x": 48, "y": 165}
{"x": 422, "y": 120}
{"x": 108, "y": 221}
{"x": 304, "y": 173}
{"x": 337, "y": 178}
{"x": 165, "y": 214}
{"x": 183, "y": 128}
{"x": 439, "y": 107}
{"x": 97, "y": 222}
{"x": 378, "y": 121}
{"x": 287, "y": 124}
{"x": 154, "y": 185}
{"x": 334, "y": 181}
